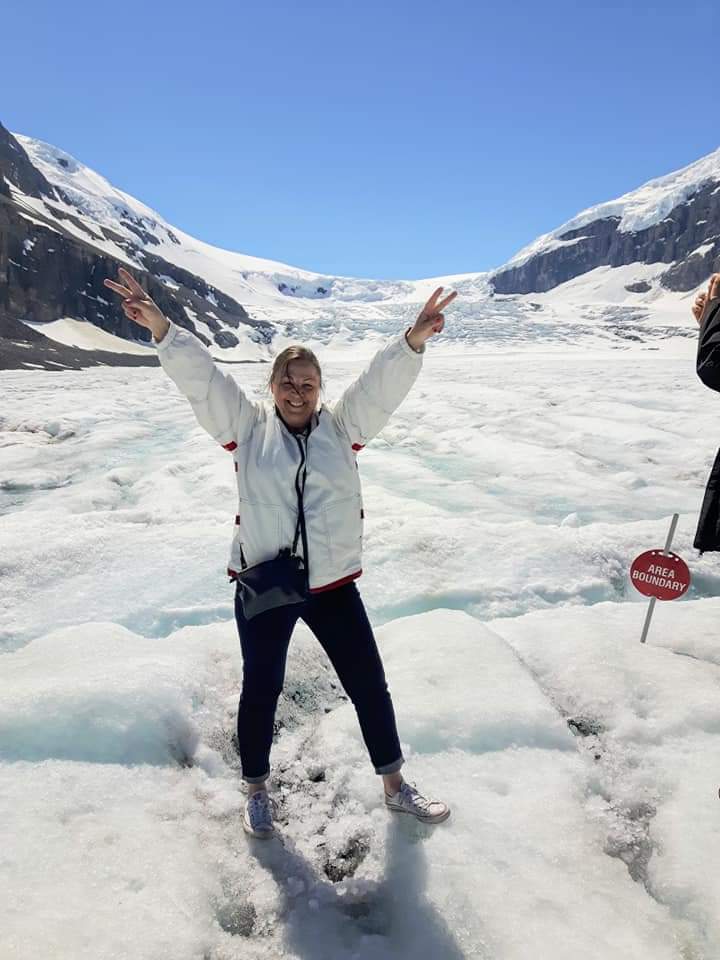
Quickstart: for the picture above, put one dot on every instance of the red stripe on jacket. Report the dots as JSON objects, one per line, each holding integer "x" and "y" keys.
{"x": 336, "y": 583}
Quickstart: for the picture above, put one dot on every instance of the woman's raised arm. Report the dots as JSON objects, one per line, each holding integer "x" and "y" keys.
{"x": 368, "y": 403}
{"x": 220, "y": 406}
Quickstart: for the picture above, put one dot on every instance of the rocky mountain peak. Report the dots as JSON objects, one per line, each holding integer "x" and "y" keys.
{"x": 673, "y": 220}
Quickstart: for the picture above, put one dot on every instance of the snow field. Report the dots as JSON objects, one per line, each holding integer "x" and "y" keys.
{"x": 650, "y": 716}
{"x": 148, "y": 836}
{"x": 504, "y": 503}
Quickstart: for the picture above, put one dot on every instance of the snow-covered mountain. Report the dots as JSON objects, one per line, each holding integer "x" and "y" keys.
{"x": 622, "y": 269}
{"x": 673, "y": 220}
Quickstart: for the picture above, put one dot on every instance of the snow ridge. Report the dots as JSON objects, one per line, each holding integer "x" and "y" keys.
{"x": 636, "y": 210}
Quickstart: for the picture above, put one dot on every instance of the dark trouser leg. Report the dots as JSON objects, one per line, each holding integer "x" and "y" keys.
{"x": 264, "y": 641}
{"x": 339, "y": 621}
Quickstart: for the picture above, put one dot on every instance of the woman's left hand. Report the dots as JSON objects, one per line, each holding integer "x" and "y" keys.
{"x": 430, "y": 319}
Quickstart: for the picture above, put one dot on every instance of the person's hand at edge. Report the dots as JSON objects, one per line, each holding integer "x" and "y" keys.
{"x": 702, "y": 300}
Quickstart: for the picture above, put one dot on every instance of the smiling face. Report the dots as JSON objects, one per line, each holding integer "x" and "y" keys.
{"x": 296, "y": 393}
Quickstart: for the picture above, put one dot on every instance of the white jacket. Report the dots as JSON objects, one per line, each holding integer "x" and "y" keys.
{"x": 267, "y": 455}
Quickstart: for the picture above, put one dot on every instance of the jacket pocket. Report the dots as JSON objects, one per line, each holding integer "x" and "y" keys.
{"x": 235, "y": 550}
{"x": 259, "y": 531}
{"x": 343, "y": 529}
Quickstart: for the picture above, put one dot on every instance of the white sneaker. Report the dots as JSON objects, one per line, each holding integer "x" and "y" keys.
{"x": 409, "y": 800}
{"x": 257, "y": 820}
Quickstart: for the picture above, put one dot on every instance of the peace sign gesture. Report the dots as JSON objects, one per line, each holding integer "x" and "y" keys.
{"x": 430, "y": 319}
{"x": 138, "y": 305}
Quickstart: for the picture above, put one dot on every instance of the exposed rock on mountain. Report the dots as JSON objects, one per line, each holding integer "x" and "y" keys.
{"x": 52, "y": 265}
{"x": 686, "y": 238}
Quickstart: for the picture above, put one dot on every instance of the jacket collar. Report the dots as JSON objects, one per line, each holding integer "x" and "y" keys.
{"x": 314, "y": 421}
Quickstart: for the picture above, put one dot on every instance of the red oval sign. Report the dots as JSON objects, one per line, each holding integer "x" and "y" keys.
{"x": 664, "y": 576}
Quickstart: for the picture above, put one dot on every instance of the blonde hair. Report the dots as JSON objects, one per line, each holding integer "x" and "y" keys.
{"x": 294, "y": 352}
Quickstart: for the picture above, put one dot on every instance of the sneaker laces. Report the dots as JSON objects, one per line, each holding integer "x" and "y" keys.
{"x": 259, "y": 808}
{"x": 411, "y": 794}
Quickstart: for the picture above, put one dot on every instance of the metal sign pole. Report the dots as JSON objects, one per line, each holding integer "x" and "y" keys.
{"x": 648, "y": 618}
{"x": 651, "y": 605}
{"x": 671, "y": 532}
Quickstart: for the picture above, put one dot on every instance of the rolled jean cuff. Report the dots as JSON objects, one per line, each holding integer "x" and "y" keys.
{"x": 260, "y": 779}
{"x": 390, "y": 767}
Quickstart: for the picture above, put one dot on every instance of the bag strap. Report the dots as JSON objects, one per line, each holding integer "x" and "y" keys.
{"x": 300, "y": 490}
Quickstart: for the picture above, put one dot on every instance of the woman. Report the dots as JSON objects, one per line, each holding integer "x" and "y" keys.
{"x": 273, "y": 445}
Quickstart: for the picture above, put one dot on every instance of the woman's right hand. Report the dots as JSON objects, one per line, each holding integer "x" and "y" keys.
{"x": 138, "y": 306}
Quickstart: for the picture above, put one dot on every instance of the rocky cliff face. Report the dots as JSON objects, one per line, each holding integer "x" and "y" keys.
{"x": 51, "y": 267}
{"x": 15, "y": 168}
{"x": 687, "y": 239}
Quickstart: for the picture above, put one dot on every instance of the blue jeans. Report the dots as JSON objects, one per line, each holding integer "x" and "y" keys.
{"x": 338, "y": 619}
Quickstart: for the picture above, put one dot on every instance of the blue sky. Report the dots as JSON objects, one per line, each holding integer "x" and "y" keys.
{"x": 371, "y": 139}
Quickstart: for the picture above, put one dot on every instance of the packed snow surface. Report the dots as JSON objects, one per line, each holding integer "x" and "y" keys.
{"x": 504, "y": 504}
{"x": 86, "y": 336}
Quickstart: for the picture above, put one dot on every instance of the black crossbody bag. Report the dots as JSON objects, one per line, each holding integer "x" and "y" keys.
{"x": 283, "y": 581}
